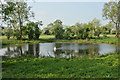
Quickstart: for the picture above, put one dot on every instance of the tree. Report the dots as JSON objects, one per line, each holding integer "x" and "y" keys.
{"x": 49, "y": 30}
{"x": 46, "y": 31}
{"x": 119, "y": 17}
{"x": 8, "y": 32}
{"x": 109, "y": 26}
{"x": 30, "y": 30}
{"x": 58, "y": 29}
{"x": 68, "y": 33}
{"x": 16, "y": 12}
{"x": 33, "y": 30}
{"x": 98, "y": 31}
{"x": 96, "y": 22}
{"x": 76, "y": 29}
{"x": 91, "y": 29}
{"x": 105, "y": 30}
{"x": 37, "y": 29}
{"x": 110, "y": 12}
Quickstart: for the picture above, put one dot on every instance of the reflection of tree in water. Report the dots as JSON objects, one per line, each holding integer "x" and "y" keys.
{"x": 37, "y": 50}
{"x": 30, "y": 51}
{"x": 47, "y": 50}
{"x": 93, "y": 51}
{"x": 20, "y": 50}
{"x": 77, "y": 50}
{"x": 14, "y": 51}
{"x": 96, "y": 50}
{"x": 8, "y": 52}
{"x": 60, "y": 50}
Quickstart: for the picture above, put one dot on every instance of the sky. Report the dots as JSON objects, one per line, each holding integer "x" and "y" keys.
{"x": 68, "y": 12}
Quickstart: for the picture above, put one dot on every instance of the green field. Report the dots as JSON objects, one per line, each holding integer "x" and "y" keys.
{"x": 51, "y": 38}
{"x": 100, "y": 67}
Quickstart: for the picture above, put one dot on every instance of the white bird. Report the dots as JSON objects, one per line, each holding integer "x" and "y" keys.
{"x": 54, "y": 48}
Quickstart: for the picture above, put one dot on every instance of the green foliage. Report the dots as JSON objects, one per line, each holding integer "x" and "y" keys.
{"x": 16, "y": 34}
{"x": 30, "y": 30}
{"x": 51, "y": 38}
{"x": 58, "y": 29}
{"x": 8, "y": 32}
{"x": 83, "y": 31}
{"x": 100, "y": 67}
{"x": 15, "y": 14}
{"x": 68, "y": 33}
{"x": 98, "y": 31}
{"x": 37, "y": 32}
{"x": 105, "y": 30}
{"x": 113, "y": 31}
{"x": 110, "y": 12}
{"x": 33, "y": 31}
{"x": 47, "y": 31}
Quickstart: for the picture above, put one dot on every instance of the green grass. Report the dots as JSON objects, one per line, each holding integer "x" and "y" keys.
{"x": 100, "y": 67}
{"x": 51, "y": 38}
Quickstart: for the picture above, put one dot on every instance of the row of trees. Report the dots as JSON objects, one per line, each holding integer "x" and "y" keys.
{"x": 31, "y": 29}
{"x": 77, "y": 31}
{"x": 16, "y": 15}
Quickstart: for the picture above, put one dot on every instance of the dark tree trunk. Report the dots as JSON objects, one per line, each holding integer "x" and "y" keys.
{"x": 20, "y": 22}
{"x": 118, "y": 25}
{"x": 20, "y": 31}
{"x": 117, "y": 30}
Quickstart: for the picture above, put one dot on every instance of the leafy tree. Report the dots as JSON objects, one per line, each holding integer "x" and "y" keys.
{"x": 58, "y": 29}
{"x": 73, "y": 30}
{"x": 104, "y": 31}
{"x": 96, "y": 22}
{"x": 76, "y": 30}
{"x": 16, "y": 13}
{"x": 90, "y": 29}
{"x": 110, "y": 12}
{"x": 86, "y": 31}
{"x": 46, "y": 31}
{"x": 97, "y": 32}
{"x": 68, "y": 33}
{"x": 109, "y": 27}
{"x": 8, "y": 32}
{"x": 30, "y": 30}
{"x": 49, "y": 30}
{"x": 37, "y": 29}
{"x": 33, "y": 30}
{"x": 16, "y": 33}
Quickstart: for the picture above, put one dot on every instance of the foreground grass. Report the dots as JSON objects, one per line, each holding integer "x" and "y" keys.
{"x": 100, "y": 67}
{"x": 51, "y": 38}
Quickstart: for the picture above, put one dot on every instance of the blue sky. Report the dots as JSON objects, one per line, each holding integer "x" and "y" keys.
{"x": 69, "y": 12}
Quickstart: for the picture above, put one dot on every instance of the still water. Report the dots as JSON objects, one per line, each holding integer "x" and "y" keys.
{"x": 61, "y": 50}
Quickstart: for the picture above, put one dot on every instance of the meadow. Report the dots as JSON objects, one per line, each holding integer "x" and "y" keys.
{"x": 100, "y": 67}
{"x": 51, "y": 38}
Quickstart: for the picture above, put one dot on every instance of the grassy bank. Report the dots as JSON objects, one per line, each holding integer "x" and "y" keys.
{"x": 101, "y": 67}
{"x": 51, "y": 38}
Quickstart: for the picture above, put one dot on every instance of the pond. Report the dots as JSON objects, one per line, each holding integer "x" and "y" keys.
{"x": 61, "y": 50}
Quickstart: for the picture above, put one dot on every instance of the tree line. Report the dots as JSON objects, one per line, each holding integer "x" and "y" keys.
{"x": 17, "y": 15}
{"x": 79, "y": 30}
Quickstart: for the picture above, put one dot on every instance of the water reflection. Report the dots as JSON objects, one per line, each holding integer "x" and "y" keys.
{"x": 61, "y": 50}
